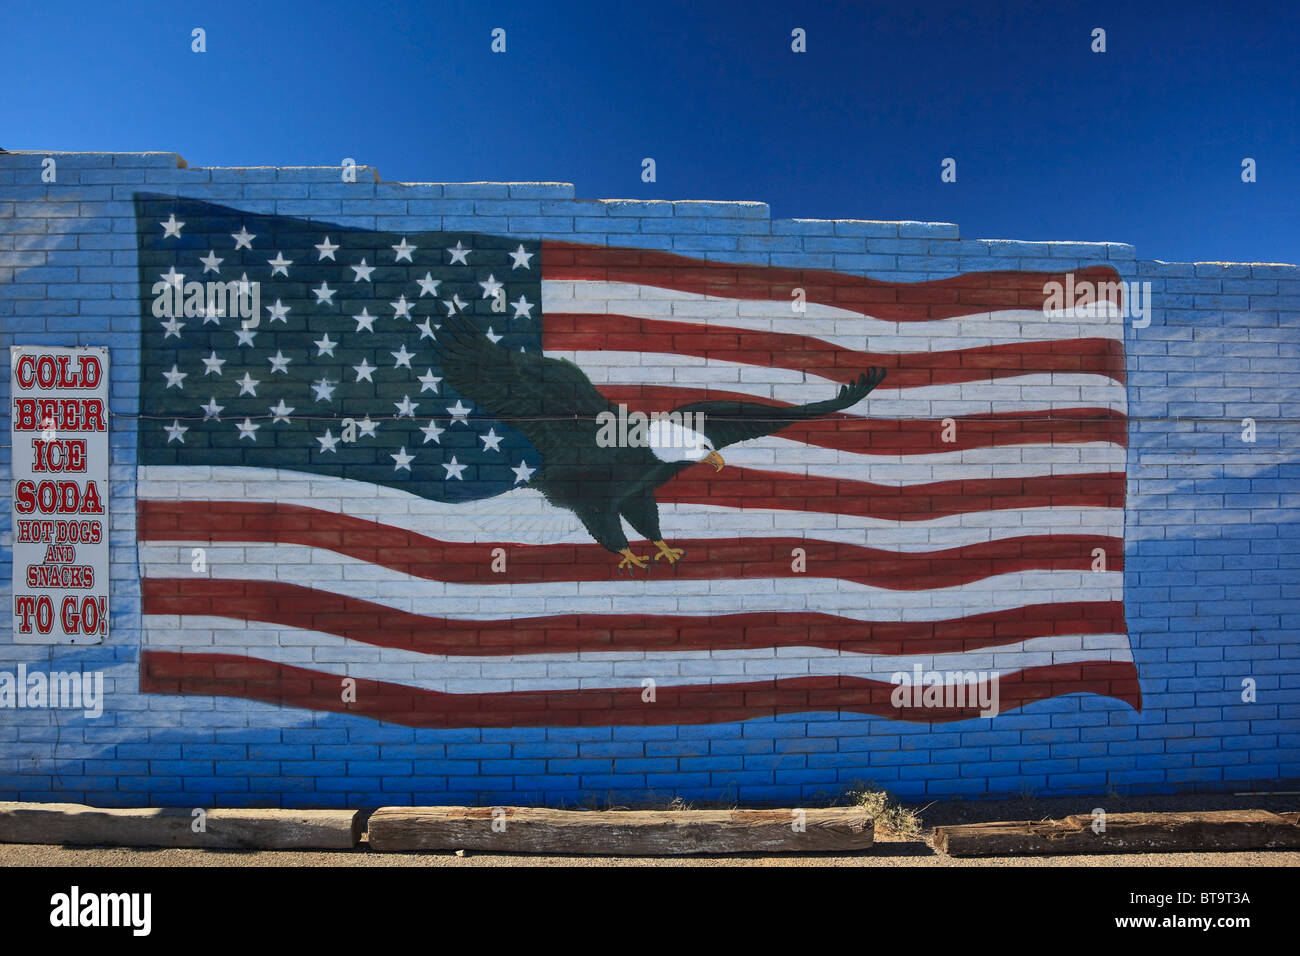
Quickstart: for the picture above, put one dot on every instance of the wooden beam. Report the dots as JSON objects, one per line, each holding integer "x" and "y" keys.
{"x": 619, "y": 832}
{"x": 73, "y": 824}
{"x": 1215, "y": 830}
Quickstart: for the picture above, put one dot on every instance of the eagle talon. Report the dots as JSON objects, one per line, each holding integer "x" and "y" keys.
{"x": 631, "y": 561}
{"x": 670, "y": 554}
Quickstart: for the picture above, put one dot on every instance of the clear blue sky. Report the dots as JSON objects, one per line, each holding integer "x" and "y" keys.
{"x": 1141, "y": 144}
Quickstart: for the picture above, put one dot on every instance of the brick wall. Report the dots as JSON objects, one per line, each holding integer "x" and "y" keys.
{"x": 1211, "y": 554}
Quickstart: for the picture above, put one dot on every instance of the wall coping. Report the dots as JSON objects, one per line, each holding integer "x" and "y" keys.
{"x": 743, "y": 209}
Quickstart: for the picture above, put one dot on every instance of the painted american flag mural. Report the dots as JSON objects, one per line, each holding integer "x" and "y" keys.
{"x": 466, "y": 567}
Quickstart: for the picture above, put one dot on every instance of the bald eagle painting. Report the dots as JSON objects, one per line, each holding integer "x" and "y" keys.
{"x": 586, "y": 469}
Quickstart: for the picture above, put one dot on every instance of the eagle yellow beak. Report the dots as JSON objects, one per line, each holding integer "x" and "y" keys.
{"x": 714, "y": 459}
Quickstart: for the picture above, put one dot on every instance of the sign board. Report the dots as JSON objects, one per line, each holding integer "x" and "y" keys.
{"x": 59, "y": 432}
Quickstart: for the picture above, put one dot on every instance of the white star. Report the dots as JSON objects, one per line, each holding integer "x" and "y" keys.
{"x": 363, "y": 272}
{"x": 364, "y": 371}
{"x": 212, "y": 410}
{"x": 429, "y": 381}
{"x": 172, "y": 277}
{"x": 328, "y": 442}
{"x": 172, "y": 327}
{"x": 367, "y": 427}
{"x": 175, "y": 377}
{"x": 491, "y": 286}
{"x": 243, "y": 239}
{"x": 175, "y": 431}
{"x": 280, "y": 411}
{"x": 172, "y": 227}
{"x": 278, "y": 312}
{"x": 402, "y": 357}
{"x": 279, "y": 264}
{"x": 324, "y": 294}
{"x": 211, "y": 263}
{"x": 325, "y": 346}
{"x": 522, "y": 259}
{"x": 491, "y": 441}
{"x": 279, "y": 363}
{"x": 324, "y": 390}
{"x": 426, "y": 329}
{"x": 403, "y": 460}
{"x": 245, "y": 336}
{"x": 365, "y": 321}
{"x": 459, "y": 253}
{"x": 212, "y": 364}
{"x": 429, "y": 285}
{"x": 402, "y": 308}
{"x": 404, "y": 251}
{"x": 247, "y": 428}
{"x": 248, "y": 385}
{"x": 454, "y": 470}
{"x": 326, "y": 250}
{"x": 213, "y": 314}
{"x": 523, "y": 308}
{"x": 492, "y": 336}
{"x": 458, "y": 413}
{"x": 431, "y": 432}
{"x": 406, "y": 408}
{"x": 523, "y": 472}
{"x": 455, "y": 305}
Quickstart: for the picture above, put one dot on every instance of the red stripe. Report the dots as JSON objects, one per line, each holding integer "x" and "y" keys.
{"x": 750, "y": 488}
{"x": 902, "y": 436}
{"x": 966, "y": 294}
{"x": 223, "y": 675}
{"x": 290, "y": 605}
{"x": 622, "y": 333}
{"x": 706, "y": 559}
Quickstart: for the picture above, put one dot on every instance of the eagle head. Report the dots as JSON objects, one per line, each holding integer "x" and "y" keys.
{"x": 672, "y": 442}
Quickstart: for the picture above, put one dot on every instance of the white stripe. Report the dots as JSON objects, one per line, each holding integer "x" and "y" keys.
{"x": 790, "y": 456}
{"x": 843, "y": 327}
{"x": 336, "y": 655}
{"x": 1020, "y": 393}
{"x": 523, "y": 516}
{"x": 656, "y": 593}
{"x": 774, "y": 453}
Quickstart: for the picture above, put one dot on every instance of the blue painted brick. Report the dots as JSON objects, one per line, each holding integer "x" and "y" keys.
{"x": 476, "y": 190}
{"x": 541, "y": 190}
{"x": 1211, "y": 547}
{"x": 927, "y": 230}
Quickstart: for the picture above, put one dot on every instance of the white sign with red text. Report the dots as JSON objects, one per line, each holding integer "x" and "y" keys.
{"x": 59, "y": 430}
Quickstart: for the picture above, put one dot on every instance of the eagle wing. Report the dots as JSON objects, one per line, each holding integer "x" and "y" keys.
{"x": 726, "y": 423}
{"x": 532, "y": 392}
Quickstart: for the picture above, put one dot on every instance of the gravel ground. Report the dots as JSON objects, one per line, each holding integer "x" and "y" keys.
{"x": 890, "y": 850}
